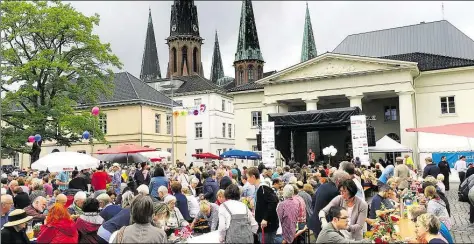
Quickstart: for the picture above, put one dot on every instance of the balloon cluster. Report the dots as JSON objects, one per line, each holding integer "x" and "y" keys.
{"x": 331, "y": 150}
{"x": 191, "y": 111}
{"x": 95, "y": 112}
{"x": 35, "y": 138}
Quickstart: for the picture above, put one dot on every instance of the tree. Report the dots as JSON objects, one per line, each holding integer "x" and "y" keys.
{"x": 51, "y": 63}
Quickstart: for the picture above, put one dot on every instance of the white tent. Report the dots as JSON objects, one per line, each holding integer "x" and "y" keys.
{"x": 388, "y": 145}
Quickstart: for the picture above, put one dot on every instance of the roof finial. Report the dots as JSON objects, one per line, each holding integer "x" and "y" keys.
{"x": 442, "y": 9}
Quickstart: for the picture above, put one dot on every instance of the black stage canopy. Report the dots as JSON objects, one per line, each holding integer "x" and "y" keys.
{"x": 303, "y": 121}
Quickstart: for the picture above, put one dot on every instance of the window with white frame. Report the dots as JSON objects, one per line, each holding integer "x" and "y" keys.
{"x": 103, "y": 123}
{"x": 198, "y": 151}
{"x": 230, "y": 130}
{"x": 224, "y": 150}
{"x": 255, "y": 148}
{"x": 180, "y": 102}
{"x": 229, "y": 106}
{"x": 447, "y": 105}
{"x": 198, "y": 130}
{"x": 223, "y": 105}
{"x": 169, "y": 149}
{"x": 168, "y": 123}
{"x": 223, "y": 129}
{"x": 16, "y": 160}
{"x": 256, "y": 118}
{"x": 197, "y": 101}
{"x": 157, "y": 123}
{"x": 390, "y": 113}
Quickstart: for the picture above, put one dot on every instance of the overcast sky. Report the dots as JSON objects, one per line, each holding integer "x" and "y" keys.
{"x": 279, "y": 26}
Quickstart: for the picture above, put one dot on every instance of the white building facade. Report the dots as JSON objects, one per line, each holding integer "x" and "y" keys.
{"x": 424, "y": 78}
{"x": 211, "y": 131}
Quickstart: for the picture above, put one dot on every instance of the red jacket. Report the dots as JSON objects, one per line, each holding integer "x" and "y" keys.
{"x": 63, "y": 231}
{"x": 99, "y": 180}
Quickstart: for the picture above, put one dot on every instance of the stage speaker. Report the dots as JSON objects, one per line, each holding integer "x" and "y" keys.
{"x": 259, "y": 141}
{"x": 370, "y": 136}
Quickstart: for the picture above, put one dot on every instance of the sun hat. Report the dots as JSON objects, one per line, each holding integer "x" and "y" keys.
{"x": 116, "y": 165}
{"x": 17, "y": 217}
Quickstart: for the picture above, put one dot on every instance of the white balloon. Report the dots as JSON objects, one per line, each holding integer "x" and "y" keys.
{"x": 331, "y": 147}
{"x": 326, "y": 151}
{"x": 334, "y": 151}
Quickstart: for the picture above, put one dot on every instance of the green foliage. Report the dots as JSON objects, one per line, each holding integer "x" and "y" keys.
{"x": 52, "y": 62}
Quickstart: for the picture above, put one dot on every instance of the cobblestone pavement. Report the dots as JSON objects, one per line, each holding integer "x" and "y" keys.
{"x": 461, "y": 231}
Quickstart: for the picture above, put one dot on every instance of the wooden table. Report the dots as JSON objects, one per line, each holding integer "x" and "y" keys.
{"x": 406, "y": 228}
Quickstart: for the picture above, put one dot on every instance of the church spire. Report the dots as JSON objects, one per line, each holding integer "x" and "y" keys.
{"x": 217, "y": 70}
{"x": 150, "y": 63}
{"x": 248, "y": 47}
{"x": 248, "y": 62}
{"x": 308, "y": 50}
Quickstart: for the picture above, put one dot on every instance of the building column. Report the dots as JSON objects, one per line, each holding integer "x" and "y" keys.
{"x": 270, "y": 108}
{"x": 312, "y": 137}
{"x": 355, "y": 101}
{"x": 407, "y": 119}
{"x": 311, "y": 104}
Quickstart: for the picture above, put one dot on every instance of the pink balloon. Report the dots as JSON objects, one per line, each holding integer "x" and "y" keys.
{"x": 31, "y": 138}
{"x": 95, "y": 111}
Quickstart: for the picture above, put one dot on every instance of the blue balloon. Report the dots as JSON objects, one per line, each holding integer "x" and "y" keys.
{"x": 37, "y": 137}
{"x": 86, "y": 134}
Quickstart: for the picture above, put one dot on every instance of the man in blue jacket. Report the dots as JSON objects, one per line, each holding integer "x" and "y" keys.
{"x": 210, "y": 187}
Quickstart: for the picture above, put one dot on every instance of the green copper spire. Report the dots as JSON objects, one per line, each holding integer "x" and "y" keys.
{"x": 248, "y": 47}
{"x": 308, "y": 50}
{"x": 217, "y": 70}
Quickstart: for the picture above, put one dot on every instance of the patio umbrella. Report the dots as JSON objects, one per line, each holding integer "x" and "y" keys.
{"x": 205, "y": 156}
{"x": 461, "y": 129}
{"x": 123, "y": 158}
{"x": 126, "y": 148}
{"x": 240, "y": 154}
{"x": 65, "y": 161}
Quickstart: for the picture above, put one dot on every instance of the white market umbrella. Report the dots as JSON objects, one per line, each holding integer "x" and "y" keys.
{"x": 65, "y": 161}
{"x": 156, "y": 154}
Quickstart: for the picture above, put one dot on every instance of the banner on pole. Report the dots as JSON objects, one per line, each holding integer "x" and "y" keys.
{"x": 268, "y": 144}
{"x": 360, "y": 147}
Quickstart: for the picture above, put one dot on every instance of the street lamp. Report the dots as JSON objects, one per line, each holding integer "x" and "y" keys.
{"x": 171, "y": 86}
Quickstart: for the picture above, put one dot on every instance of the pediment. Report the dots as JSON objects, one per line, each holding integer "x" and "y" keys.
{"x": 336, "y": 65}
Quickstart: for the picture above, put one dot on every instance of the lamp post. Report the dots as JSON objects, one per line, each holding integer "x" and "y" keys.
{"x": 171, "y": 86}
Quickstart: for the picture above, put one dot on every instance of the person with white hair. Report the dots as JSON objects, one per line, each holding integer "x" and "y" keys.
{"x": 7, "y": 206}
{"x": 107, "y": 209}
{"x": 194, "y": 184}
{"x": 176, "y": 219}
{"x": 162, "y": 192}
{"x": 143, "y": 189}
{"x": 288, "y": 211}
{"x": 76, "y": 207}
{"x": 36, "y": 209}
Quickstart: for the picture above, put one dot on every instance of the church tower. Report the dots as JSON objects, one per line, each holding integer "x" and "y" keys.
{"x": 308, "y": 49}
{"x": 150, "y": 63}
{"x": 184, "y": 41}
{"x": 217, "y": 70}
{"x": 248, "y": 62}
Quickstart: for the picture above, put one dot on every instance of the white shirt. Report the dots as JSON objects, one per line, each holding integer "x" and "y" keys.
{"x": 460, "y": 166}
{"x": 235, "y": 207}
{"x": 183, "y": 179}
{"x": 193, "y": 206}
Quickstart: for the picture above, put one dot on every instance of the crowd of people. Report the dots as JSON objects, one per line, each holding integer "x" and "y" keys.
{"x": 159, "y": 203}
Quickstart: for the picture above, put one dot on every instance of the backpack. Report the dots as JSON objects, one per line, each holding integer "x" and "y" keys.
{"x": 239, "y": 230}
